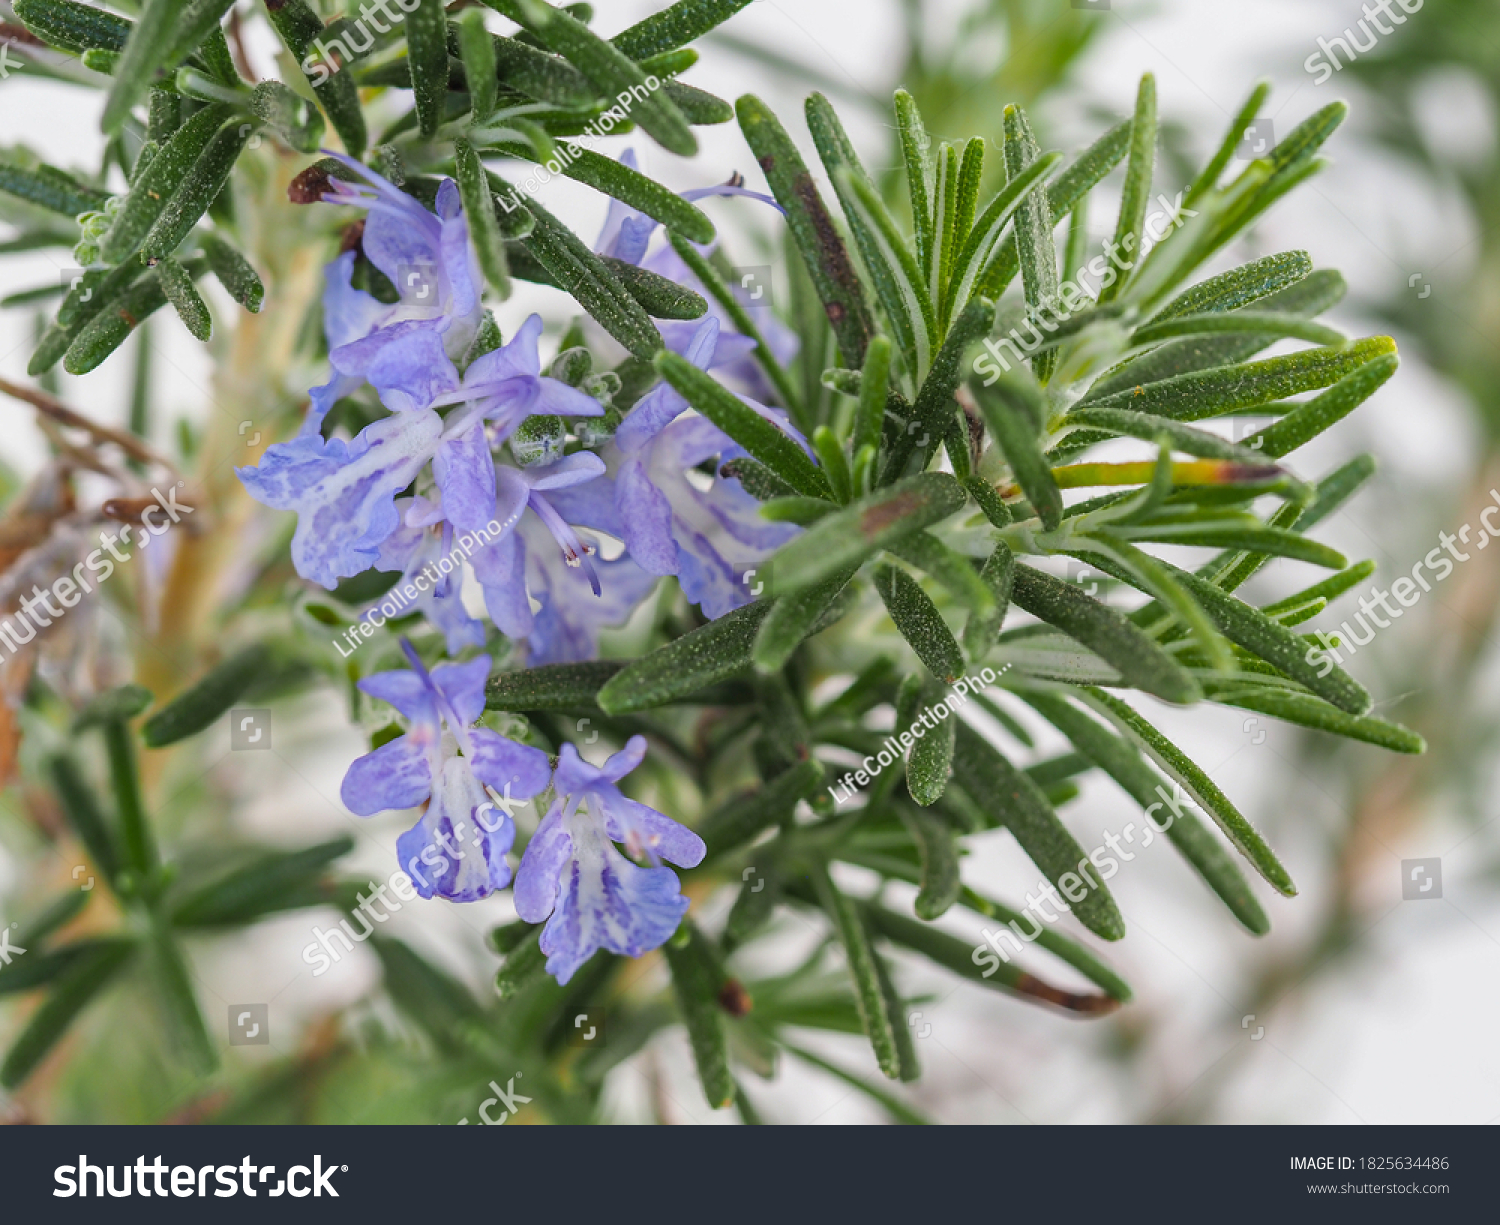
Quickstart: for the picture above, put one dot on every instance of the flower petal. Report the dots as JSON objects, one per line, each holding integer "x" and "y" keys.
{"x": 547, "y": 853}
{"x": 396, "y": 775}
{"x": 454, "y": 851}
{"x": 344, "y": 493}
{"x": 515, "y": 770}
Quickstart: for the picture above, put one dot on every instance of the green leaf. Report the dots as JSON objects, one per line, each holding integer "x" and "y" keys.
{"x": 935, "y": 410}
{"x": 112, "y": 322}
{"x": 675, "y": 26}
{"x": 1185, "y": 438}
{"x": 1033, "y": 228}
{"x": 1009, "y": 797}
{"x": 479, "y": 208}
{"x": 272, "y": 882}
{"x": 658, "y": 297}
{"x": 700, "y": 658}
{"x": 963, "y": 959}
{"x": 50, "y": 188}
{"x": 1334, "y": 490}
{"x": 916, "y": 153}
{"x": 698, "y": 106}
{"x": 160, "y": 182}
{"x": 199, "y": 23}
{"x": 200, "y": 706}
{"x": 434, "y": 999}
{"x": 1122, "y": 761}
{"x": 1249, "y": 536}
{"x": 427, "y": 59}
{"x": 234, "y": 272}
{"x": 74, "y": 989}
{"x": 191, "y": 309}
{"x": 812, "y": 228}
{"x": 909, "y": 1069}
{"x": 550, "y": 686}
{"x": 81, "y": 807}
{"x": 610, "y": 69}
{"x": 920, "y": 623}
{"x": 178, "y": 1002}
{"x": 1202, "y": 789}
{"x": 1307, "y": 711}
{"x": 1141, "y": 663}
{"x": 1063, "y": 196}
{"x": 136, "y": 839}
{"x": 860, "y": 959}
{"x": 298, "y": 27}
{"x": 1137, "y": 193}
{"x": 982, "y": 628}
{"x": 696, "y": 982}
{"x": 1153, "y": 577}
{"x": 940, "y": 883}
{"x": 1310, "y": 296}
{"x": 477, "y": 51}
{"x": 196, "y": 191}
{"x": 1269, "y": 324}
{"x": 793, "y": 618}
{"x": 846, "y": 538}
{"x": 62, "y": 910}
{"x": 629, "y": 187}
{"x": 769, "y": 444}
{"x": 1226, "y": 389}
{"x": 296, "y": 120}
{"x": 1308, "y": 420}
{"x": 985, "y": 233}
{"x": 951, "y": 569}
{"x": 1209, "y": 178}
{"x": 581, "y": 273}
{"x": 1273, "y": 642}
{"x": 741, "y": 819}
{"x": 1014, "y": 410}
{"x": 73, "y": 27}
{"x": 869, "y": 417}
{"x": 523, "y": 966}
{"x": 1240, "y": 286}
{"x": 144, "y": 53}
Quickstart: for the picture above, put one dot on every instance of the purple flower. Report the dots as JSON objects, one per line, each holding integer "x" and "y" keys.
{"x": 429, "y": 556}
{"x": 457, "y": 849}
{"x": 572, "y": 872}
{"x": 627, "y": 236}
{"x": 541, "y": 556}
{"x": 709, "y": 538}
{"x": 344, "y": 493}
{"x": 428, "y": 257}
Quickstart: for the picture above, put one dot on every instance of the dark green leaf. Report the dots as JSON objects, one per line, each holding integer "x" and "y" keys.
{"x": 812, "y": 228}
{"x": 743, "y": 818}
{"x": 696, "y": 981}
{"x": 200, "y": 706}
{"x": 766, "y": 442}
{"x": 71, "y": 994}
{"x": 1122, "y": 761}
{"x": 849, "y": 536}
{"x": 920, "y": 623}
{"x": 1009, "y": 797}
{"x": 191, "y": 309}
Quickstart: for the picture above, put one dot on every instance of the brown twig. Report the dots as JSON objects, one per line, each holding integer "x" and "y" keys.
{"x": 54, "y": 408}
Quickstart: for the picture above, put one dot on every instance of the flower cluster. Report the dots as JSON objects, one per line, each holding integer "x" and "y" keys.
{"x": 446, "y": 462}
{"x": 572, "y": 874}
{"x": 474, "y": 448}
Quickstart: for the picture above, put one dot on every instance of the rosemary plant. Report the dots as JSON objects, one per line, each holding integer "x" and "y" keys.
{"x": 715, "y": 615}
